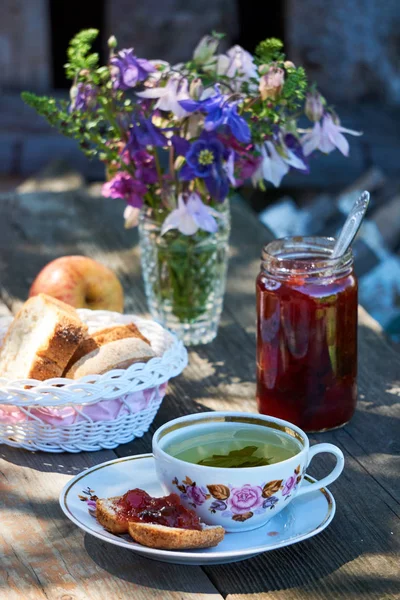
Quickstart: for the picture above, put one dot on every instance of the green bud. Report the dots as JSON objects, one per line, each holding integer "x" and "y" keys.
{"x": 196, "y": 88}
{"x": 112, "y": 42}
{"x": 205, "y": 49}
{"x": 314, "y": 107}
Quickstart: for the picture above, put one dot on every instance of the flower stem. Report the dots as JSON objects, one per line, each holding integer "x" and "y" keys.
{"x": 158, "y": 167}
{"x": 171, "y": 162}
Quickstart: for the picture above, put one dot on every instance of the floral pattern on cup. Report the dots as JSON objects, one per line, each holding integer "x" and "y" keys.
{"x": 239, "y": 503}
{"x": 192, "y": 493}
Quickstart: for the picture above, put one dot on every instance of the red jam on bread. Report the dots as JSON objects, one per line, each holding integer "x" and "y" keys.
{"x": 139, "y": 507}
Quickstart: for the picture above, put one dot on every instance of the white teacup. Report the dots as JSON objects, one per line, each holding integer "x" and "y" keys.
{"x": 243, "y": 498}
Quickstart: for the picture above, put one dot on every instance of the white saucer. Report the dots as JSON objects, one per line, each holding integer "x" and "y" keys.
{"x": 303, "y": 518}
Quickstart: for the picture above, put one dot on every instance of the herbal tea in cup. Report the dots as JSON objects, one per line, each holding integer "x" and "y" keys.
{"x": 232, "y": 445}
{"x": 237, "y": 470}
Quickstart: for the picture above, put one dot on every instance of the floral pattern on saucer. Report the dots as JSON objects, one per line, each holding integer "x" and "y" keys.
{"x": 239, "y": 503}
{"x": 90, "y": 498}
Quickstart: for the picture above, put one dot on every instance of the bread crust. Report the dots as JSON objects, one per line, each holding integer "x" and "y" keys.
{"x": 107, "y": 515}
{"x": 118, "y": 332}
{"x": 52, "y": 358}
{"x": 104, "y": 336}
{"x": 53, "y": 355}
{"x": 153, "y": 535}
{"x": 119, "y": 354}
{"x": 173, "y": 538}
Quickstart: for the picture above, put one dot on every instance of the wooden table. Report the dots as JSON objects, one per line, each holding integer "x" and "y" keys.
{"x": 45, "y": 556}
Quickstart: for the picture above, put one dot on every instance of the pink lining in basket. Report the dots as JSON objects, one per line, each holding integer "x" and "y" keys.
{"x": 104, "y": 410}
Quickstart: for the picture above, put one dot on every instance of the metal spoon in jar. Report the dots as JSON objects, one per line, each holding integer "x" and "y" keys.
{"x": 351, "y": 225}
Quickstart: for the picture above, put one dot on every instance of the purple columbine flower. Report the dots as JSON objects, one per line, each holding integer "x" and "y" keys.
{"x": 205, "y": 159}
{"x": 83, "y": 97}
{"x": 128, "y": 70}
{"x": 124, "y": 186}
{"x": 143, "y": 133}
{"x": 220, "y": 112}
{"x": 180, "y": 144}
{"x": 146, "y": 171}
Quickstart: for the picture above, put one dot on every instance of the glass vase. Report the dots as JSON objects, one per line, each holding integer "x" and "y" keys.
{"x": 184, "y": 276}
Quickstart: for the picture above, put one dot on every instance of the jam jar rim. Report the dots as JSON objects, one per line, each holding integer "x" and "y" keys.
{"x": 277, "y": 258}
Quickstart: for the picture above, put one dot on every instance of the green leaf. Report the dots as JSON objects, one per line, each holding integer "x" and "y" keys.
{"x": 235, "y": 459}
{"x": 79, "y": 58}
{"x": 218, "y": 36}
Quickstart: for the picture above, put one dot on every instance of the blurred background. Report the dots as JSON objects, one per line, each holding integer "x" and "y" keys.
{"x": 350, "y": 48}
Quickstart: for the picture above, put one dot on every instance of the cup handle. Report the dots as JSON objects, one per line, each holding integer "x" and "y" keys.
{"x": 317, "y": 449}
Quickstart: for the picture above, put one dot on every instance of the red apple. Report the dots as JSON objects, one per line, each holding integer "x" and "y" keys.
{"x": 81, "y": 282}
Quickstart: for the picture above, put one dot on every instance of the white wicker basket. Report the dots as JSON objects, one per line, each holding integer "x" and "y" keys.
{"x": 97, "y": 411}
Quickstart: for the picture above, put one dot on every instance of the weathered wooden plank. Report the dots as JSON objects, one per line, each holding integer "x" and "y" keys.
{"x": 46, "y": 556}
{"x": 356, "y": 556}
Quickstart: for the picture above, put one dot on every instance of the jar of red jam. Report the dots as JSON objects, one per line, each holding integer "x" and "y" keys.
{"x": 307, "y": 333}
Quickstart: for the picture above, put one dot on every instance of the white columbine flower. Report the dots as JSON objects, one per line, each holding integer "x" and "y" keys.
{"x": 241, "y": 64}
{"x": 274, "y": 166}
{"x": 190, "y": 216}
{"x": 168, "y": 96}
{"x": 327, "y": 137}
{"x": 237, "y": 63}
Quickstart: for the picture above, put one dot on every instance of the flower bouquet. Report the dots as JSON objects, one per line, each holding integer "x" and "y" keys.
{"x": 176, "y": 140}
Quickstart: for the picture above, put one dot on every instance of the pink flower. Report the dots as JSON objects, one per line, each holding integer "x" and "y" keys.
{"x": 246, "y": 166}
{"x": 124, "y": 186}
{"x": 327, "y": 137}
{"x": 131, "y": 217}
{"x": 196, "y": 494}
{"x": 271, "y": 83}
{"x": 245, "y": 161}
{"x": 289, "y": 484}
{"x": 245, "y": 498}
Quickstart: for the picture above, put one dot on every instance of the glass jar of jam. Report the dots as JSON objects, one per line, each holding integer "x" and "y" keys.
{"x": 307, "y": 333}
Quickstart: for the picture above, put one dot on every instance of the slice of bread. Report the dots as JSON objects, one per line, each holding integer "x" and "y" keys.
{"x": 104, "y": 336}
{"x": 120, "y": 354}
{"x": 108, "y": 515}
{"x": 118, "y": 332}
{"x": 41, "y": 339}
{"x": 173, "y": 538}
{"x": 154, "y": 535}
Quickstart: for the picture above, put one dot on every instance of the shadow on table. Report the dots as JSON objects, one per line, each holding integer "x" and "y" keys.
{"x": 301, "y": 566}
{"x": 310, "y": 567}
{"x": 141, "y": 571}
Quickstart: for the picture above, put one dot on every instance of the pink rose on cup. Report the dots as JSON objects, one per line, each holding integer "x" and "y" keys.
{"x": 289, "y": 485}
{"x": 196, "y": 494}
{"x": 245, "y": 498}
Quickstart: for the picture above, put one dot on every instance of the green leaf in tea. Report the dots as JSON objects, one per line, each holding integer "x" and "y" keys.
{"x": 235, "y": 459}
